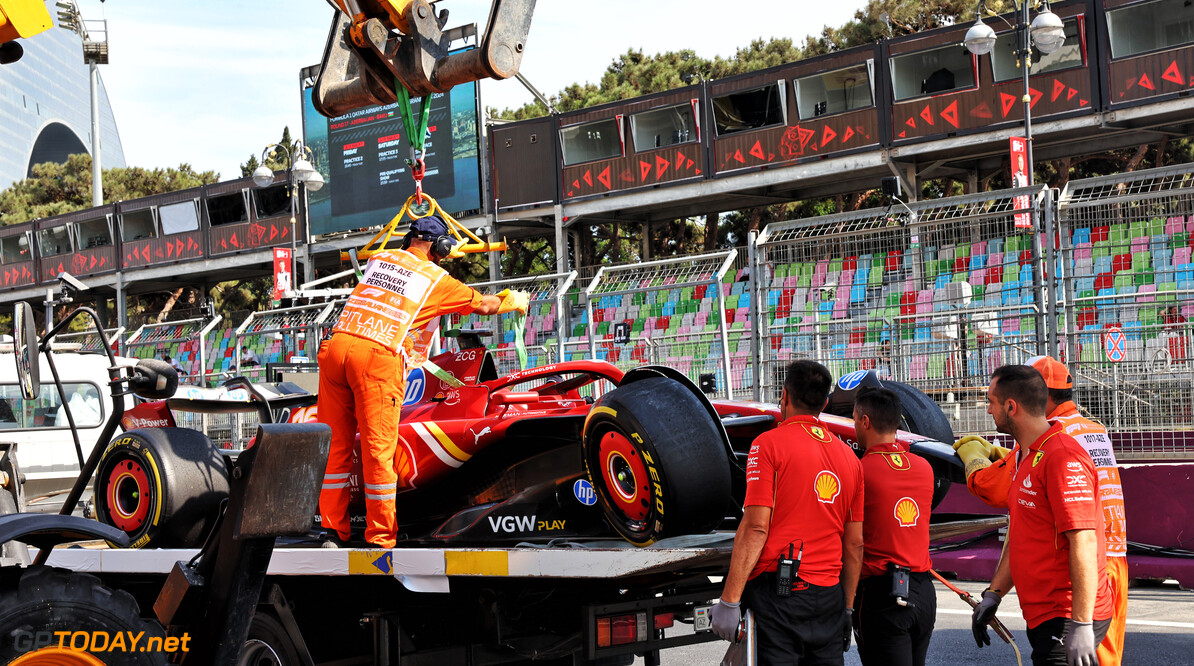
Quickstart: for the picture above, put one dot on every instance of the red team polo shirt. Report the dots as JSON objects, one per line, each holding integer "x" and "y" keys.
{"x": 813, "y": 483}
{"x": 899, "y": 497}
{"x": 1055, "y": 490}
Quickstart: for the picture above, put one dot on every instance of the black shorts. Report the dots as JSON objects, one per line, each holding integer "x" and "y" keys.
{"x": 804, "y": 628}
{"x": 889, "y": 633}
{"x": 1047, "y": 639}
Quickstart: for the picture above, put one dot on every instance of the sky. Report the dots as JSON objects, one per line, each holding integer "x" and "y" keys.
{"x": 210, "y": 83}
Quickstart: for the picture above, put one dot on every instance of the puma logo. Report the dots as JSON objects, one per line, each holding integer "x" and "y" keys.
{"x": 478, "y": 435}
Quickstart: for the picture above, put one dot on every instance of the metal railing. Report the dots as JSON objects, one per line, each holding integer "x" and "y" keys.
{"x": 151, "y": 339}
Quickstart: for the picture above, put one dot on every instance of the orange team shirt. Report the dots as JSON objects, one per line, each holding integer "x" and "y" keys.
{"x": 899, "y": 498}
{"x": 813, "y": 484}
{"x": 1055, "y": 490}
{"x": 400, "y": 294}
{"x": 992, "y": 484}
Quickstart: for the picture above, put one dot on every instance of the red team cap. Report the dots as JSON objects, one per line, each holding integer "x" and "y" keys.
{"x": 1056, "y": 375}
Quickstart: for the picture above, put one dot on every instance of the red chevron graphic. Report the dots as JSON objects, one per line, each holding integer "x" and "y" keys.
{"x": 688, "y": 164}
{"x": 927, "y": 114}
{"x": 661, "y": 165}
{"x": 1172, "y": 73}
{"x": 603, "y": 177}
{"x": 1070, "y": 94}
{"x": 1035, "y": 96}
{"x": 234, "y": 241}
{"x": 950, "y": 114}
{"x": 169, "y": 249}
{"x": 757, "y": 150}
{"x": 847, "y": 134}
{"x": 1058, "y": 88}
{"x": 588, "y": 177}
{"x": 911, "y": 122}
{"x": 1145, "y": 82}
{"x": 644, "y": 169}
{"x": 145, "y": 253}
{"x": 178, "y": 247}
{"x": 576, "y": 183}
{"x": 982, "y": 111}
{"x": 828, "y": 135}
{"x": 1007, "y": 102}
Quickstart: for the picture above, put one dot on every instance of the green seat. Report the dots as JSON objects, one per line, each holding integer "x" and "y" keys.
{"x": 1179, "y": 239}
{"x": 1123, "y": 279}
{"x": 1101, "y": 249}
{"x": 1142, "y": 277}
{"x": 1156, "y": 227}
{"x": 1142, "y": 260}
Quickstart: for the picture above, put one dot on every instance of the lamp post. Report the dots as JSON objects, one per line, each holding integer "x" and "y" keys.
{"x": 298, "y": 170}
{"x": 1046, "y": 32}
{"x": 95, "y": 53}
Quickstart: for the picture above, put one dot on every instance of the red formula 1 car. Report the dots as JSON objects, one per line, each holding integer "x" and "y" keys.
{"x": 567, "y": 451}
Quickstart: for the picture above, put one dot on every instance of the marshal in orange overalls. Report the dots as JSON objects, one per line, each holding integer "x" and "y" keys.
{"x": 386, "y": 328}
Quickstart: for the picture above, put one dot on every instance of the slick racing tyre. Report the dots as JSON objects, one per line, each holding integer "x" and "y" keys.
{"x": 922, "y": 416}
{"x": 162, "y": 486}
{"x": 39, "y": 601}
{"x": 657, "y": 461}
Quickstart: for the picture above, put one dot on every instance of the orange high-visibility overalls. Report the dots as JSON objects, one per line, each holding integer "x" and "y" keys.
{"x": 991, "y": 485}
{"x": 386, "y": 327}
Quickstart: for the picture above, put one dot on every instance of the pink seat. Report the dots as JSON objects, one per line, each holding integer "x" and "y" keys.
{"x": 1146, "y": 293}
{"x": 1174, "y": 225}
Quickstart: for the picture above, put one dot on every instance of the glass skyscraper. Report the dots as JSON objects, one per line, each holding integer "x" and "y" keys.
{"x": 45, "y": 107}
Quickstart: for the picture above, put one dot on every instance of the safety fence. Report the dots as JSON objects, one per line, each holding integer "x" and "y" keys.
{"x": 1127, "y": 285}
{"x": 283, "y": 335}
{"x": 90, "y": 341}
{"x": 935, "y": 294}
{"x": 187, "y": 338}
{"x": 629, "y": 297}
{"x": 545, "y": 325}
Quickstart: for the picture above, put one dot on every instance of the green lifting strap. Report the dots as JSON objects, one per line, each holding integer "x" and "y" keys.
{"x": 520, "y": 343}
{"x": 417, "y": 134}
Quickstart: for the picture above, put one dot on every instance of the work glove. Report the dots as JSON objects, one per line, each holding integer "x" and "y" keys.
{"x": 513, "y": 301}
{"x": 847, "y": 629}
{"x": 726, "y": 617}
{"x": 984, "y": 612}
{"x": 999, "y": 453}
{"x": 1080, "y": 649}
{"x": 975, "y": 453}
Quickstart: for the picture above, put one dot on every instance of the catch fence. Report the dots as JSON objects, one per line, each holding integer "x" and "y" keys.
{"x": 185, "y": 341}
{"x": 936, "y": 294}
{"x": 1127, "y": 288}
{"x": 680, "y": 304}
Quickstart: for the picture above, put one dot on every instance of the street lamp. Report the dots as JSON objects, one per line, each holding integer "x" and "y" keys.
{"x": 95, "y": 53}
{"x": 1046, "y": 32}
{"x": 298, "y": 170}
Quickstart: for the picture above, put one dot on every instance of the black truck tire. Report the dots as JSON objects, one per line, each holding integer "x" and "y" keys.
{"x": 162, "y": 486}
{"x": 921, "y": 415}
{"x": 657, "y": 461}
{"x": 268, "y": 643}
{"x": 13, "y": 552}
{"x": 42, "y": 599}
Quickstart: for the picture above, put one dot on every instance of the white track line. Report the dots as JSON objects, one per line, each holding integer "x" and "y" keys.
{"x": 1138, "y": 623}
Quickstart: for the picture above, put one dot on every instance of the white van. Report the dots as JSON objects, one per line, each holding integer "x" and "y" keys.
{"x": 45, "y": 448}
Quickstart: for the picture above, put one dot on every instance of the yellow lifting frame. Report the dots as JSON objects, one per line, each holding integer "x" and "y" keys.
{"x": 381, "y": 241}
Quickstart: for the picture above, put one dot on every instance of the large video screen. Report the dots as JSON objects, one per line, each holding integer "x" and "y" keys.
{"x": 362, "y": 156}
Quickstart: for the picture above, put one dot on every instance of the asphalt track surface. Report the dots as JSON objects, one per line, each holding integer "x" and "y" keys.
{"x": 1160, "y": 631}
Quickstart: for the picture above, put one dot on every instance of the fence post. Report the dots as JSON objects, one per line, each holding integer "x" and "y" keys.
{"x": 756, "y": 321}
{"x": 1038, "y": 281}
{"x": 725, "y": 334}
{"x": 1052, "y": 230}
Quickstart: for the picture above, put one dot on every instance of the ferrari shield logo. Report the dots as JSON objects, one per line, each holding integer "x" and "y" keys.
{"x": 1037, "y": 458}
{"x": 897, "y": 461}
{"x": 818, "y": 433}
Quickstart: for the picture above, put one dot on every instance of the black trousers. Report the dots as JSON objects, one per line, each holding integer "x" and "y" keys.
{"x": 804, "y": 628}
{"x": 1047, "y": 640}
{"x": 891, "y": 634}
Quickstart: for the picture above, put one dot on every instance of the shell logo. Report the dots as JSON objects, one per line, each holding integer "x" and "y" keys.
{"x": 907, "y": 512}
{"x": 827, "y": 486}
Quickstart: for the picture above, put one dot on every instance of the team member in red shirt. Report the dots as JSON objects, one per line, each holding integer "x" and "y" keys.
{"x": 804, "y": 497}
{"x": 894, "y": 621}
{"x": 1055, "y": 551}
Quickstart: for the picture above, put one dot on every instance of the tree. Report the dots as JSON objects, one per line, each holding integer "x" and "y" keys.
{"x": 58, "y": 188}
{"x": 275, "y": 159}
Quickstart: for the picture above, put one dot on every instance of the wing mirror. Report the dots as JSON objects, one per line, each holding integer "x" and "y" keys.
{"x": 25, "y": 351}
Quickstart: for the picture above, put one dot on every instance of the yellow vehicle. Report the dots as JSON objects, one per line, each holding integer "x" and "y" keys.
{"x": 20, "y": 19}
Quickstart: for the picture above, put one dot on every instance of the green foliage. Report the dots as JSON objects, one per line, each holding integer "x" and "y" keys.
{"x": 275, "y": 159}
{"x": 54, "y": 188}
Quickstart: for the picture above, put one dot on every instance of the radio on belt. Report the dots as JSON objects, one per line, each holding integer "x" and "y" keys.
{"x": 785, "y": 572}
{"x": 899, "y": 583}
